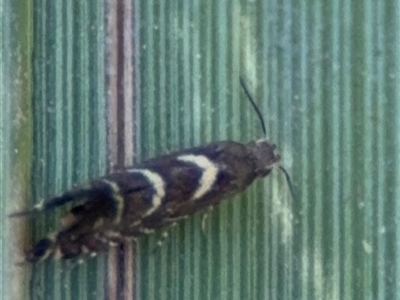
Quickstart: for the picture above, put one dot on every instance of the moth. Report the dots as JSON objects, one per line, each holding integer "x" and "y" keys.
{"x": 154, "y": 194}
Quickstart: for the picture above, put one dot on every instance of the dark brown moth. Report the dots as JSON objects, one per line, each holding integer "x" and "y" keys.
{"x": 155, "y": 194}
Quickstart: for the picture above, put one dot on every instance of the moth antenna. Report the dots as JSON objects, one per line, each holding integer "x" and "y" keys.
{"x": 253, "y": 103}
{"x": 288, "y": 180}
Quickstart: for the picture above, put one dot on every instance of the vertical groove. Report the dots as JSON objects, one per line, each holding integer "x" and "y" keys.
{"x": 396, "y": 54}
{"x": 129, "y": 102}
{"x": 272, "y": 136}
{"x": 187, "y": 133}
{"x": 58, "y": 106}
{"x": 112, "y": 64}
{"x": 233, "y": 255}
{"x": 325, "y": 76}
{"x": 305, "y": 141}
{"x": 15, "y": 141}
{"x": 137, "y": 282}
{"x": 368, "y": 152}
{"x": 336, "y": 164}
{"x": 221, "y": 97}
{"x": 347, "y": 138}
{"x": 318, "y": 270}
{"x": 286, "y": 146}
{"x": 381, "y": 135}
{"x": 121, "y": 135}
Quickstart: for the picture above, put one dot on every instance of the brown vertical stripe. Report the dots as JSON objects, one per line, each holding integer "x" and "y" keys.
{"x": 120, "y": 120}
{"x": 112, "y": 89}
{"x": 127, "y": 260}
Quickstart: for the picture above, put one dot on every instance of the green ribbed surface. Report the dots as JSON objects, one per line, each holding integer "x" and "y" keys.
{"x": 15, "y": 139}
{"x": 69, "y": 127}
{"x": 326, "y": 76}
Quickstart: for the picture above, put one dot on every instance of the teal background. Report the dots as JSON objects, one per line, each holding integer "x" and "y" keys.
{"x": 325, "y": 75}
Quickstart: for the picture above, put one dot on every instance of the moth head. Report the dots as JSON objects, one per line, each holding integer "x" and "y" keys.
{"x": 262, "y": 151}
{"x": 264, "y": 155}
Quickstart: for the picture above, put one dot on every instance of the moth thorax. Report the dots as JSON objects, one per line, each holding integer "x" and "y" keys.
{"x": 264, "y": 155}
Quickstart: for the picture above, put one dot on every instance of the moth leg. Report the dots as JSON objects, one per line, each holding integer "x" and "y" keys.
{"x": 84, "y": 246}
{"x": 204, "y": 219}
{"x": 164, "y": 236}
{"x": 161, "y": 241}
{"x": 73, "y": 263}
{"x": 115, "y": 238}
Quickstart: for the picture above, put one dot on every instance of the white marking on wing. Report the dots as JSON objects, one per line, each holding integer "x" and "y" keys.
{"x": 146, "y": 230}
{"x": 158, "y": 185}
{"x": 118, "y": 198}
{"x": 209, "y": 176}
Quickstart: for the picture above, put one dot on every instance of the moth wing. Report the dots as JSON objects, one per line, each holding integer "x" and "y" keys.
{"x": 73, "y": 195}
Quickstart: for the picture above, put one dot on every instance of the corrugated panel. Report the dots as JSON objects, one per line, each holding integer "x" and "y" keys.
{"x": 69, "y": 127}
{"x": 58, "y": 94}
{"x": 325, "y": 74}
{"x": 207, "y": 47}
{"x": 15, "y": 139}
